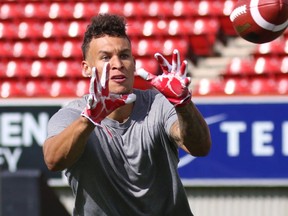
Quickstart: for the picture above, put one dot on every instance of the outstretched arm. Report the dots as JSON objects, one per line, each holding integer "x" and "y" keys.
{"x": 64, "y": 149}
{"x": 190, "y": 132}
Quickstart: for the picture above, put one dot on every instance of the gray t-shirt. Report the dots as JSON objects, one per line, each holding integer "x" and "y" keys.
{"x": 130, "y": 168}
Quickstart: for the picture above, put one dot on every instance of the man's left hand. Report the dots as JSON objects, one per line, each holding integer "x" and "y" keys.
{"x": 172, "y": 83}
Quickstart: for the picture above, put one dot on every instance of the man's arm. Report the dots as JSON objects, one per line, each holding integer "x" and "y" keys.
{"x": 64, "y": 149}
{"x": 191, "y": 132}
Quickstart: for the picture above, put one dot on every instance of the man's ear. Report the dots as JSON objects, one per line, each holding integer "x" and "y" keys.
{"x": 86, "y": 70}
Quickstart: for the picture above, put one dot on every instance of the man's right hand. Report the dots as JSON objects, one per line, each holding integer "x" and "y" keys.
{"x": 100, "y": 101}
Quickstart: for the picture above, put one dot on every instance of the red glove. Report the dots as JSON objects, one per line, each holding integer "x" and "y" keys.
{"x": 173, "y": 83}
{"x": 100, "y": 102}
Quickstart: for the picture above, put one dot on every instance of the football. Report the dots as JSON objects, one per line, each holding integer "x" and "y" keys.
{"x": 260, "y": 21}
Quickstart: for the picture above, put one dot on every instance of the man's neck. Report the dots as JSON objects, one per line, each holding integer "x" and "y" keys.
{"x": 122, "y": 113}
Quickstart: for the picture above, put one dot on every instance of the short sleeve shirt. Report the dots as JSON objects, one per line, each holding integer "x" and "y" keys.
{"x": 127, "y": 168}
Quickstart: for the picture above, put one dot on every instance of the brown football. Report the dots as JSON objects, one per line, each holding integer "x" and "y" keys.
{"x": 260, "y": 21}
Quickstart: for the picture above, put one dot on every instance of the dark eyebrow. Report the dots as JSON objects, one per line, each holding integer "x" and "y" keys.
{"x": 103, "y": 52}
{"x": 126, "y": 50}
{"x": 108, "y": 52}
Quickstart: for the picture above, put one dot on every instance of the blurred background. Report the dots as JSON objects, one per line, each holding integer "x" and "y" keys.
{"x": 241, "y": 88}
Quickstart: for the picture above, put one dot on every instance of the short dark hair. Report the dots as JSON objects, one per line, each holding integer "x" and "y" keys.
{"x": 101, "y": 25}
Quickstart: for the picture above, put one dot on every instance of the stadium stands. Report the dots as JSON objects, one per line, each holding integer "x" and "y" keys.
{"x": 41, "y": 45}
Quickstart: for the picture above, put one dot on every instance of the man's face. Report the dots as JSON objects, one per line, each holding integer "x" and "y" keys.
{"x": 117, "y": 52}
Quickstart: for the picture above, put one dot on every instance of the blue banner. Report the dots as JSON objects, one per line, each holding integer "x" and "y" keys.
{"x": 23, "y": 129}
{"x": 249, "y": 144}
{"x": 249, "y": 140}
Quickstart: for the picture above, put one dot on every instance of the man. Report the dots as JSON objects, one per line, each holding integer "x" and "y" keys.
{"x": 118, "y": 145}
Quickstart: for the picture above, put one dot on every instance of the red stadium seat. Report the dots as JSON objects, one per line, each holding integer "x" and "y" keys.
{"x": 266, "y": 66}
{"x": 185, "y": 9}
{"x": 72, "y": 49}
{"x": 155, "y": 28}
{"x": 38, "y": 68}
{"x": 284, "y": 65}
{"x": 60, "y": 29}
{"x": 201, "y": 45}
{"x": 149, "y": 64}
{"x": 37, "y": 88}
{"x": 114, "y": 7}
{"x": 19, "y": 49}
{"x": 162, "y": 9}
{"x": 203, "y": 8}
{"x": 202, "y": 35}
{"x": 263, "y": 86}
{"x": 82, "y": 10}
{"x": 135, "y": 28}
{"x": 7, "y": 48}
{"x": 207, "y": 8}
{"x": 175, "y": 43}
{"x": 61, "y": 10}
{"x": 239, "y": 67}
{"x": 8, "y": 30}
{"x": 136, "y": 9}
{"x": 37, "y": 10}
{"x": 81, "y": 87}
{"x": 206, "y": 26}
{"x": 262, "y": 66}
{"x": 11, "y": 88}
{"x": 62, "y": 88}
{"x": 30, "y": 30}
{"x": 211, "y": 8}
{"x": 206, "y": 87}
{"x": 147, "y": 47}
{"x": 282, "y": 86}
{"x": 18, "y": 69}
{"x": 3, "y": 67}
{"x": 238, "y": 86}
{"x": 54, "y": 29}
{"x": 277, "y": 48}
{"x": 11, "y": 10}
{"x": 54, "y": 49}
{"x": 49, "y": 49}
{"x": 224, "y": 21}
{"x": 69, "y": 69}
{"x": 26, "y": 49}
{"x": 43, "y": 68}
{"x": 180, "y": 27}
{"x": 77, "y": 29}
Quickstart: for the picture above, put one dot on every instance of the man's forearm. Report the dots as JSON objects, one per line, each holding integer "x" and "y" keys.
{"x": 191, "y": 132}
{"x": 62, "y": 150}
